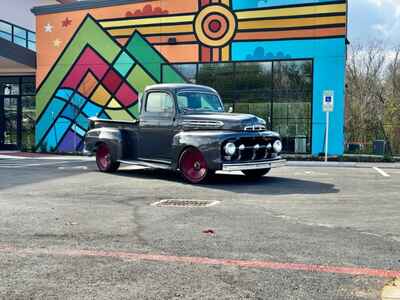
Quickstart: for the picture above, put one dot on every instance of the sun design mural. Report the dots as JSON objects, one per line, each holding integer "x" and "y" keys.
{"x": 107, "y": 63}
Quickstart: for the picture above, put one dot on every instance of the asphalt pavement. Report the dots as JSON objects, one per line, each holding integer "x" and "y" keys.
{"x": 302, "y": 232}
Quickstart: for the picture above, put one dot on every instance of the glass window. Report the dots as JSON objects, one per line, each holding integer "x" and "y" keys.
{"x": 5, "y": 27}
{"x": 253, "y": 76}
{"x": 6, "y": 36}
{"x": 31, "y": 36}
{"x": 28, "y": 86}
{"x": 19, "y": 32}
{"x": 9, "y": 86}
{"x": 189, "y": 101}
{"x": 292, "y": 76}
{"x": 219, "y": 76}
{"x": 159, "y": 103}
{"x": 32, "y": 46}
{"x": 292, "y": 104}
{"x": 253, "y": 88}
{"x": 188, "y": 71}
{"x": 279, "y": 92}
{"x": 28, "y": 122}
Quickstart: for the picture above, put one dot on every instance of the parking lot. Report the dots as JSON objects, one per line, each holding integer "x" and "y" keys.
{"x": 302, "y": 232}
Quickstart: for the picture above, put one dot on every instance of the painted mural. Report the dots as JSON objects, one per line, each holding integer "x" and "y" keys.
{"x": 97, "y": 62}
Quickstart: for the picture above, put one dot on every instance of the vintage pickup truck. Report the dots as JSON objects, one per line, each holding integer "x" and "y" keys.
{"x": 183, "y": 127}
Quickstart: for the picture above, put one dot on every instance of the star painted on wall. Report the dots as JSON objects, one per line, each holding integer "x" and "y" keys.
{"x": 57, "y": 43}
{"x": 48, "y": 28}
{"x": 67, "y": 22}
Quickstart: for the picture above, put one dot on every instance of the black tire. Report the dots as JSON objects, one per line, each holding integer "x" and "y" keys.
{"x": 256, "y": 174}
{"x": 105, "y": 161}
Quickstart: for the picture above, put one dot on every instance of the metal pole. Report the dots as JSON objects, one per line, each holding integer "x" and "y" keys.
{"x": 327, "y": 137}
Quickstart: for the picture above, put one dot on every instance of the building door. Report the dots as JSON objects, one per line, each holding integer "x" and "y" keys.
{"x": 10, "y": 122}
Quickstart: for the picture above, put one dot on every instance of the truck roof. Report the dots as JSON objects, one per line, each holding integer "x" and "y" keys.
{"x": 175, "y": 87}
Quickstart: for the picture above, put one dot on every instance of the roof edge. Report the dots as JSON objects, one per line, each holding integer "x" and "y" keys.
{"x": 17, "y": 53}
{"x": 80, "y": 5}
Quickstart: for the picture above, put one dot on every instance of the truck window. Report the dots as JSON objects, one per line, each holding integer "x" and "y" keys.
{"x": 158, "y": 102}
{"x": 193, "y": 100}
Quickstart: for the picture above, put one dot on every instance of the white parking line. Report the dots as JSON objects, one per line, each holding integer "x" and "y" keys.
{"x": 73, "y": 168}
{"x": 18, "y": 164}
{"x": 383, "y": 173}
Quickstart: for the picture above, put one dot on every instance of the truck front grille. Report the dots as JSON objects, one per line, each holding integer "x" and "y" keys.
{"x": 251, "y": 149}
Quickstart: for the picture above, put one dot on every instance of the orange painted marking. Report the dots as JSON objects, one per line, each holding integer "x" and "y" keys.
{"x": 252, "y": 264}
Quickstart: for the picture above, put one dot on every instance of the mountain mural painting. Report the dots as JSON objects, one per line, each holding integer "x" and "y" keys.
{"x": 103, "y": 82}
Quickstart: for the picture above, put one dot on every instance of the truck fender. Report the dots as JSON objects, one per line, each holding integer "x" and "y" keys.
{"x": 209, "y": 145}
{"x": 109, "y": 136}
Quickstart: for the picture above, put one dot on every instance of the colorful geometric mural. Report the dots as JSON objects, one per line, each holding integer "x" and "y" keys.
{"x": 102, "y": 59}
{"x": 215, "y": 26}
{"x": 102, "y": 82}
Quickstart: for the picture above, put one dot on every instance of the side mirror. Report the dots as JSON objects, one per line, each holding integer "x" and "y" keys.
{"x": 230, "y": 109}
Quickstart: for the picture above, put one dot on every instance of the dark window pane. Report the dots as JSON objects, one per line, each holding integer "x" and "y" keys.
{"x": 292, "y": 104}
{"x": 28, "y": 122}
{"x": 218, "y": 76}
{"x": 292, "y": 76}
{"x": 28, "y": 86}
{"x": 10, "y": 124}
{"x": 253, "y": 76}
{"x": 9, "y": 85}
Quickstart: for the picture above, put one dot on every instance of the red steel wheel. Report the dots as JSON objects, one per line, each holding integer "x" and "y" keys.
{"x": 193, "y": 166}
{"x": 104, "y": 160}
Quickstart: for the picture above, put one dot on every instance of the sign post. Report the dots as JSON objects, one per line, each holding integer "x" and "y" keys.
{"x": 327, "y": 107}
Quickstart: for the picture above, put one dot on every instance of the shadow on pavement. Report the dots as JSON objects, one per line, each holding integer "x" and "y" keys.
{"x": 268, "y": 185}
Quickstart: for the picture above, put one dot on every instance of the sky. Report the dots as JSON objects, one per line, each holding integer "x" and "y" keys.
{"x": 19, "y": 11}
{"x": 375, "y": 20}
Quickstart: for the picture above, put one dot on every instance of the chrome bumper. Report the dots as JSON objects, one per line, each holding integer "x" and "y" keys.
{"x": 254, "y": 165}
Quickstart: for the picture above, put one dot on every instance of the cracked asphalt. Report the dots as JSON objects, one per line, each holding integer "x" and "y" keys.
{"x": 70, "y": 232}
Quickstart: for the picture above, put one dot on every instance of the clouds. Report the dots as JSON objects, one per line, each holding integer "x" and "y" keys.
{"x": 375, "y": 20}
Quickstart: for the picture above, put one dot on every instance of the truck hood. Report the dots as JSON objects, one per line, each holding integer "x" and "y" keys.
{"x": 224, "y": 121}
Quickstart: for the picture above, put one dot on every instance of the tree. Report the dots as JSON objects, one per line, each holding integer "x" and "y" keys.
{"x": 373, "y": 81}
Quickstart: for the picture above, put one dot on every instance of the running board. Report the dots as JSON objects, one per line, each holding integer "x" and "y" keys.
{"x": 155, "y": 165}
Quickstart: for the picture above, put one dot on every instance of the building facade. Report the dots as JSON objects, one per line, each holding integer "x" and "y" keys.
{"x": 17, "y": 73}
{"x": 271, "y": 58}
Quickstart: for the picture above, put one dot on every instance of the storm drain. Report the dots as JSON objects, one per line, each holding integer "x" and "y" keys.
{"x": 184, "y": 203}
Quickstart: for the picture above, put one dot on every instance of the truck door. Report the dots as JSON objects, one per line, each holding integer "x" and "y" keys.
{"x": 156, "y": 126}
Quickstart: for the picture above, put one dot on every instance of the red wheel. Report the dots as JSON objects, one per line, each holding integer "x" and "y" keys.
{"x": 193, "y": 166}
{"x": 104, "y": 160}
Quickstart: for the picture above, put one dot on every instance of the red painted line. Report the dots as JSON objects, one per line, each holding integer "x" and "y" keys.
{"x": 253, "y": 264}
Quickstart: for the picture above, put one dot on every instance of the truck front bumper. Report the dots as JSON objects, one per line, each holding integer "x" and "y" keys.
{"x": 254, "y": 165}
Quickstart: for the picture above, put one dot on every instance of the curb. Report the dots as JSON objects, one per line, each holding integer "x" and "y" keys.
{"x": 343, "y": 164}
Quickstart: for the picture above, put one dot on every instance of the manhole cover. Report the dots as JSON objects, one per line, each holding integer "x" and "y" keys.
{"x": 184, "y": 203}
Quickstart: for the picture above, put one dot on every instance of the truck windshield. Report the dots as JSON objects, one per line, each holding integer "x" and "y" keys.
{"x": 199, "y": 101}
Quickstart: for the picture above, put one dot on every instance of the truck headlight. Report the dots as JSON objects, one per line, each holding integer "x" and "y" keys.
{"x": 278, "y": 146}
{"x": 230, "y": 149}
